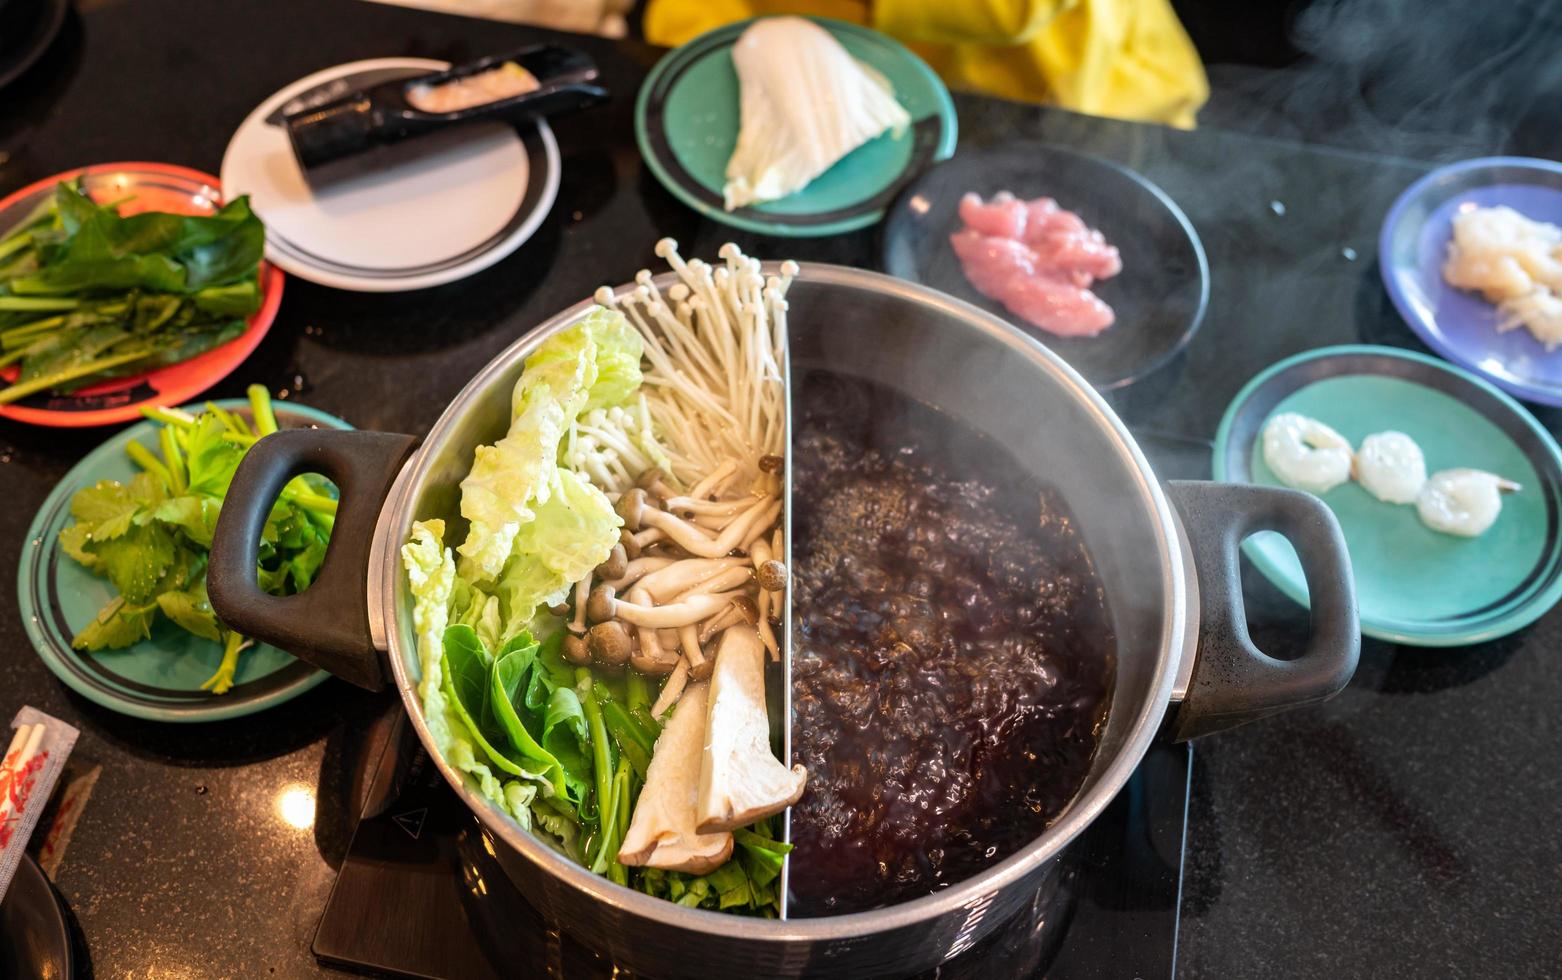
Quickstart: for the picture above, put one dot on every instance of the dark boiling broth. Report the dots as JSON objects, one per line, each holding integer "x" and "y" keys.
{"x": 952, "y": 653}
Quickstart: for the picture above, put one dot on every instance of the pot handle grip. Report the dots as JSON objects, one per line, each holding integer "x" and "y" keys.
{"x": 1233, "y": 681}
{"x": 326, "y": 625}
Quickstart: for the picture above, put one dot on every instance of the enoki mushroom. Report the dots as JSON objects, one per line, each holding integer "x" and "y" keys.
{"x": 716, "y": 343}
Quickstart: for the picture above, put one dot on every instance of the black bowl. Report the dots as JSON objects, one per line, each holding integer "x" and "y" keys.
{"x": 27, "y": 28}
{"x": 1160, "y": 295}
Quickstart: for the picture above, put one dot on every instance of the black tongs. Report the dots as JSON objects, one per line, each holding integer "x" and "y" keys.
{"x": 361, "y": 121}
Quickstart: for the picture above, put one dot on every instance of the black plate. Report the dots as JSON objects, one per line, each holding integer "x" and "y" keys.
{"x": 1160, "y": 295}
{"x": 34, "y": 30}
{"x": 35, "y": 940}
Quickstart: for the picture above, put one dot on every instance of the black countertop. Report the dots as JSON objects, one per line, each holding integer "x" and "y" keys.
{"x": 1402, "y": 829}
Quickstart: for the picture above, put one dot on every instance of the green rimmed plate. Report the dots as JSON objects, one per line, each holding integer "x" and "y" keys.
{"x": 687, "y": 117}
{"x": 1414, "y": 585}
{"x": 160, "y": 677}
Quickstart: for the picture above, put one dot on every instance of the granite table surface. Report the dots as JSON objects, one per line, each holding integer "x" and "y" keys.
{"x": 1407, "y": 827}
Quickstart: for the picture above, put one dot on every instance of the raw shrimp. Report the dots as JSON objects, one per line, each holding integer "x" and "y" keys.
{"x": 1391, "y": 467}
{"x": 1463, "y": 502}
{"x": 1306, "y": 454}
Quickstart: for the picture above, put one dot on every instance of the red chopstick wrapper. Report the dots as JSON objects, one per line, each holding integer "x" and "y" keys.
{"x": 34, "y": 758}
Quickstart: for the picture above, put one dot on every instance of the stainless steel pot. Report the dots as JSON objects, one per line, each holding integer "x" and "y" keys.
{"x": 1167, "y": 557}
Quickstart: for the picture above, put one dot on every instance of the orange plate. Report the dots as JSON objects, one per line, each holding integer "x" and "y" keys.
{"x": 154, "y": 187}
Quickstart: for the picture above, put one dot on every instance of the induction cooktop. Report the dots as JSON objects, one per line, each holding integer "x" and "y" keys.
{"x": 420, "y": 894}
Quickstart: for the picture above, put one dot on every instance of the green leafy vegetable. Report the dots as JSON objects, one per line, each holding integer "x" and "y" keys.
{"x": 86, "y": 294}
{"x": 149, "y": 537}
{"x": 514, "y": 479}
{"x": 750, "y": 882}
{"x": 562, "y": 749}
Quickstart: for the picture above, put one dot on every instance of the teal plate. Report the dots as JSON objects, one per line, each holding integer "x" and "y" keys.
{"x": 687, "y": 117}
{"x": 160, "y": 677}
{"x": 1414, "y": 585}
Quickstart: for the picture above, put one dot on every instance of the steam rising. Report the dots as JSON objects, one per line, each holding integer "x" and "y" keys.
{"x": 1428, "y": 79}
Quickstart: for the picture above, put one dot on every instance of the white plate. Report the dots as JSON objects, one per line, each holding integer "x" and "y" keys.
{"x": 441, "y": 217}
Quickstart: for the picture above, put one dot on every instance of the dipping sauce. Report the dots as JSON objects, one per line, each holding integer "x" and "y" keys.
{"x": 504, "y": 82}
{"x": 952, "y": 654}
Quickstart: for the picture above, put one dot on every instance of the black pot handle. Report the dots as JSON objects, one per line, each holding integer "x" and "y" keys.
{"x": 326, "y": 625}
{"x": 1233, "y": 681}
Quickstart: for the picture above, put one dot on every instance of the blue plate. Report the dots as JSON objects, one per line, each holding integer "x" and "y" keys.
{"x": 1461, "y": 325}
{"x": 160, "y": 677}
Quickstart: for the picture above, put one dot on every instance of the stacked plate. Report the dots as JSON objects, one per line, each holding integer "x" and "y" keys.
{"x": 429, "y": 212}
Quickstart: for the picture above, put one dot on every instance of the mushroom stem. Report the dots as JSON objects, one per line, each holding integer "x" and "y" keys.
{"x": 582, "y": 590}
{"x": 712, "y": 524}
{"x": 669, "y": 616}
{"x": 689, "y": 642}
{"x": 709, "y": 508}
{"x": 652, "y": 658}
{"x": 696, "y": 542}
{"x": 672, "y": 615}
{"x": 626, "y": 538}
{"x": 639, "y": 569}
{"x": 671, "y": 691}
{"x": 767, "y": 635}
{"x": 678, "y": 577}
{"x": 714, "y": 478}
{"x": 742, "y": 610}
{"x": 756, "y": 533}
{"x": 649, "y": 536}
{"x": 651, "y": 481}
{"x": 726, "y": 580}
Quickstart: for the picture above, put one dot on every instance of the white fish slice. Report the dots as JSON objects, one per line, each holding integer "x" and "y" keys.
{"x": 806, "y": 104}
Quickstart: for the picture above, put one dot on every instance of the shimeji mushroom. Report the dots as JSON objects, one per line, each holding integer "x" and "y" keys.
{"x": 575, "y": 650}
{"x": 690, "y": 506}
{"x": 638, "y": 568}
{"x": 653, "y": 481}
{"x": 626, "y": 538}
{"x": 582, "y": 591}
{"x": 651, "y": 656}
{"x": 689, "y": 643}
{"x": 609, "y": 644}
{"x": 714, "y": 480}
{"x": 639, "y": 516}
{"x": 742, "y": 610}
{"x": 741, "y": 781}
{"x": 662, "y": 832}
{"x": 771, "y": 575}
{"x": 617, "y": 563}
{"x": 671, "y": 691}
{"x": 603, "y": 606}
{"x": 677, "y": 577}
{"x": 726, "y": 580}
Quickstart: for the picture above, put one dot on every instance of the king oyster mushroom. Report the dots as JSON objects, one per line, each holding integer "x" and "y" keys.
{"x": 741, "y": 781}
{"x": 662, "y": 831}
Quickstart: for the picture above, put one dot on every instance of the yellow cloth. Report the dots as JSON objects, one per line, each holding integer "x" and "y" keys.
{"x": 1125, "y": 58}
